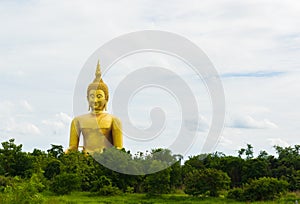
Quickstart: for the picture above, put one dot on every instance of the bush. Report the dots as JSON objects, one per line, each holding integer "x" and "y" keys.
{"x": 109, "y": 191}
{"x": 103, "y": 186}
{"x": 5, "y": 181}
{"x": 100, "y": 183}
{"x": 236, "y": 193}
{"x": 22, "y": 191}
{"x": 265, "y": 188}
{"x": 65, "y": 183}
{"x": 159, "y": 182}
{"x": 52, "y": 169}
{"x": 206, "y": 181}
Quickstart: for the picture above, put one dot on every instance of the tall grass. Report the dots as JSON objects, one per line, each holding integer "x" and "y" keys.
{"x": 82, "y": 197}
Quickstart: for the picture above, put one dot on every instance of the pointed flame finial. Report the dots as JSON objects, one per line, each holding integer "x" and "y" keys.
{"x": 98, "y": 77}
{"x": 98, "y": 83}
{"x": 98, "y": 70}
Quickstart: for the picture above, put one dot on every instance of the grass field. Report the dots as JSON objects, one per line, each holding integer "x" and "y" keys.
{"x": 82, "y": 197}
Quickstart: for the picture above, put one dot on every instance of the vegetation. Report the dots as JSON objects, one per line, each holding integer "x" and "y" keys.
{"x": 43, "y": 177}
{"x": 211, "y": 181}
{"x": 264, "y": 188}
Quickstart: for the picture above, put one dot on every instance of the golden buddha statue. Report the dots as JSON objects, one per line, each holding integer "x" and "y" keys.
{"x": 99, "y": 129}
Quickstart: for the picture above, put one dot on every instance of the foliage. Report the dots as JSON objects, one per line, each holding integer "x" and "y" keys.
{"x": 52, "y": 169}
{"x": 236, "y": 193}
{"x": 65, "y": 183}
{"x": 204, "y": 174}
{"x": 264, "y": 188}
{"x": 109, "y": 191}
{"x": 13, "y": 161}
{"x": 56, "y": 151}
{"x": 159, "y": 182}
{"x": 85, "y": 197}
{"x": 103, "y": 186}
{"x": 176, "y": 176}
{"x": 204, "y": 181}
{"x": 20, "y": 191}
{"x": 255, "y": 168}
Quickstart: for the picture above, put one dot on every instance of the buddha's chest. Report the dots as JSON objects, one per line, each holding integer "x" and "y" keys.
{"x": 96, "y": 126}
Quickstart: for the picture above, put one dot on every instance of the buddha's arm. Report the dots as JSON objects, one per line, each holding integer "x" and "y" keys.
{"x": 117, "y": 133}
{"x": 74, "y": 135}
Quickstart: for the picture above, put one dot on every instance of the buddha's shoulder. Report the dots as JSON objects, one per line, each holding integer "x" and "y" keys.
{"x": 110, "y": 117}
{"x": 83, "y": 117}
{"x": 90, "y": 116}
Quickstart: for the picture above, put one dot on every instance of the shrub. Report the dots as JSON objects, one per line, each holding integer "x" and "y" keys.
{"x": 5, "y": 181}
{"x": 52, "y": 169}
{"x": 129, "y": 189}
{"x": 236, "y": 193}
{"x": 204, "y": 181}
{"x": 100, "y": 183}
{"x": 159, "y": 182}
{"x": 109, "y": 191}
{"x": 264, "y": 188}
{"x": 103, "y": 186}
{"x": 22, "y": 191}
{"x": 65, "y": 183}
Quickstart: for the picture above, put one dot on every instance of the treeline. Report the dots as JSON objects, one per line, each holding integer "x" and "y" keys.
{"x": 25, "y": 176}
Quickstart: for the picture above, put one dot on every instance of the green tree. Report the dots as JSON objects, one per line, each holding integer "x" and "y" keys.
{"x": 56, "y": 151}
{"x": 65, "y": 183}
{"x": 13, "y": 161}
{"x": 159, "y": 182}
{"x": 176, "y": 178}
{"x": 254, "y": 169}
{"x": 211, "y": 181}
{"x": 287, "y": 165}
{"x": 103, "y": 186}
{"x": 22, "y": 191}
{"x": 264, "y": 188}
{"x": 52, "y": 169}
{"x": 233, "y": 166}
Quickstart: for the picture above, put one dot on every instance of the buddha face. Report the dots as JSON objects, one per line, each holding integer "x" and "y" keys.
{"x": 97, "y": 101}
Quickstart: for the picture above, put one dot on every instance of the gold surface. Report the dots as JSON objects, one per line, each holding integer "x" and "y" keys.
{"x": 99, "y": 129}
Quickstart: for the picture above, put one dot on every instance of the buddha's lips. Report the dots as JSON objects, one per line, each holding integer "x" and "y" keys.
{"x": 96, "y": 105}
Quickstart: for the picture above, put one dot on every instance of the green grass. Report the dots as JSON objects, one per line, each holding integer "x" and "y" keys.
{"x": 87, "y": 198}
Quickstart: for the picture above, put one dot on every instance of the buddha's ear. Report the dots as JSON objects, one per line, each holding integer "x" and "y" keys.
{"x": 105, "y": 106}
{"x": 87, "y": 97}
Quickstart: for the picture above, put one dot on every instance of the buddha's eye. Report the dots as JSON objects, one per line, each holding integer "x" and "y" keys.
{"x": 92, "y": 95}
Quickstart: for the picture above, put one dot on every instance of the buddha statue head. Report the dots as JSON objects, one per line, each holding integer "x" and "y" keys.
{"x": 97, "y": 93}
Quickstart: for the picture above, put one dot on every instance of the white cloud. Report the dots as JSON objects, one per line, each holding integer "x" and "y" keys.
{"x": 238, "y": 36}
{"x": 278, "y": 142}
{"x": 26, "y": 105}
{"x": 202, "y": 125}
{"x": 223, "y": 141}
{"x": 25, "y": 128}
{"x": 251, "y": 109}
{"x": 55, "y": 125}
{"x": 58, "y": 125}
{"x": 247, "y": 121}
{"x": 9, "y": 108}
{"x": 14, "y": 118}
{"x": 6, "y": 107}
{"x": 65, "y": 118}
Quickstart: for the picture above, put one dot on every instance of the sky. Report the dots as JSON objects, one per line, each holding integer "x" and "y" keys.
{"x": 253, "y": 45}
